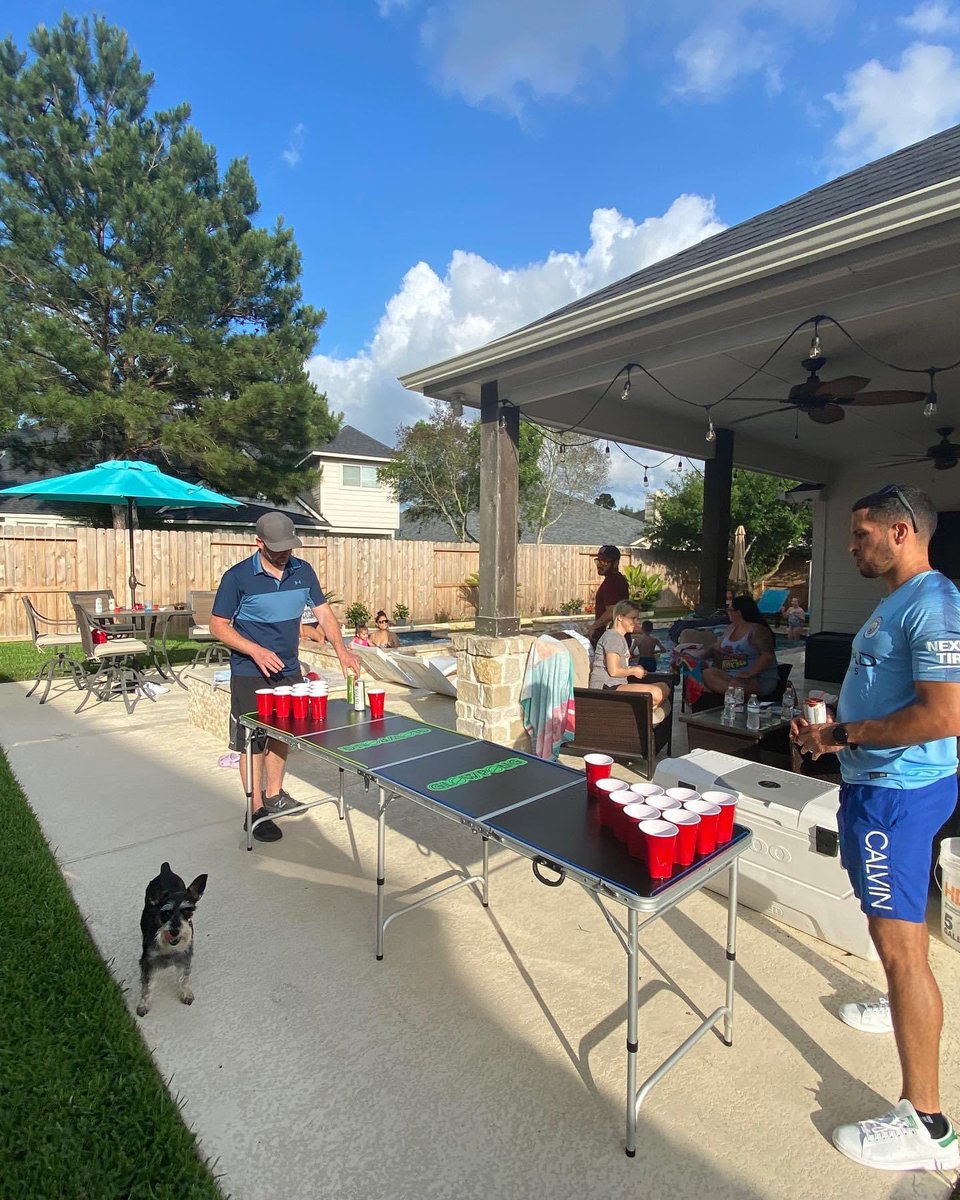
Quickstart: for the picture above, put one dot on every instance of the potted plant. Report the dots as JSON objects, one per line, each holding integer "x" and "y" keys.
{"x": 645, "y": 586}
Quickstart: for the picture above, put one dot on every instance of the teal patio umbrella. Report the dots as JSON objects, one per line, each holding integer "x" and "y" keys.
{"x": 124, "y": 481}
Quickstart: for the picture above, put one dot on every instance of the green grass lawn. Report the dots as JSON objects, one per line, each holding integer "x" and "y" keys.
{"x": 84, "y": 1115}
{"x": 19, "y": 660}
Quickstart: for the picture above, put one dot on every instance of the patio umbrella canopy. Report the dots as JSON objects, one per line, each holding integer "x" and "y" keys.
{"x": 124, "y": 481}
{"x": 739, "y": 575}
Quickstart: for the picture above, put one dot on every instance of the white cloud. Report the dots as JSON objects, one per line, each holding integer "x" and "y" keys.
{"x": 886, "y": 108}
{"x": 932, "y": 19}
{"x": 432, "y": 318}
{"x": 293, "y": 153}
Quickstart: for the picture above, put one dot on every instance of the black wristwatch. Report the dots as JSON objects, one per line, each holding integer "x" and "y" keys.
{"x": 839, "y": 735}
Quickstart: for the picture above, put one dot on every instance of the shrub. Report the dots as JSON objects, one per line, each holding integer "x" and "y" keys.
{"x": 400, "y": 613}
{"x": 571, "y": 607}
{"x": 441, "y": 617}
{"x": 357, "y": 614}
{"x": 645, "y": 586}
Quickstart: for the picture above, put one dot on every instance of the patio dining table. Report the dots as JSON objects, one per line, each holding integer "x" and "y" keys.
{"x": 152, "y": 625}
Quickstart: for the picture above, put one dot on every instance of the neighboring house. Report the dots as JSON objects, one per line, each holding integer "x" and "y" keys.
{"x": 582, "y": 524}
{"x": 348, "y": 493}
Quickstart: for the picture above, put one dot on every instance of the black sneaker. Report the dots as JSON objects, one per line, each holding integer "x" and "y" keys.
{"x": 283, "y": 805}
{"x": 263, "y": 831}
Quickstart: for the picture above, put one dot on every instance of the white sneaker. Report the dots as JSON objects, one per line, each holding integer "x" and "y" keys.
{"x": 898, "y": 1141}
{"x": 868, "y": 1016}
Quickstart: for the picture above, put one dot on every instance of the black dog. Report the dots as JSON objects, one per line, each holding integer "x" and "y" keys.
{"x": 167, "y": 927}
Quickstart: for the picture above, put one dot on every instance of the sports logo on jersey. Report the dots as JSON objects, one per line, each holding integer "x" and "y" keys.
{"x": 872, "y": 628}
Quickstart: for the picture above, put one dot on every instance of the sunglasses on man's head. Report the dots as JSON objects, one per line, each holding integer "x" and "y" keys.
{"x": 893, "y": 490}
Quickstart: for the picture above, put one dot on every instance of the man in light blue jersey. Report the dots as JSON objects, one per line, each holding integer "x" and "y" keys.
{"x": 895, "y": 734}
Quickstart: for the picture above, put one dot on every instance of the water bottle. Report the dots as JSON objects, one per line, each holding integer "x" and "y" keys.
{"x": 789, "y": 702}
{"x": 98, "y": 606}
{"x": 753, "y": 713}
{"x": 730, "y": 705}
{"x": 738, "y": 698}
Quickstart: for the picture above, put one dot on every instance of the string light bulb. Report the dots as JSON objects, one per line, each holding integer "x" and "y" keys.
{"x": 646, "y": 481}
{"x": 711, "y": 432}
{"x": 679, "y": 466}
{"x": 607, "y": 451}
{"x": 930, "y": 408}
{"x": 625, "y": 394}
{"x": 816, "y": 350}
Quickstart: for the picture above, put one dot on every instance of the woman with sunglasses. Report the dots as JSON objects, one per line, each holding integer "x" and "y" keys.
{"x": 383, "y": 636}
{"x": 745, "y": 653}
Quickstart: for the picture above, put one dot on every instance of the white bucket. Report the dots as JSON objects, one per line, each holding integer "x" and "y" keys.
{"x": 950, "y": 891}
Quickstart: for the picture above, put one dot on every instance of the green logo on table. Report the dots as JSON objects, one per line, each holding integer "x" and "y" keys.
{"x": 383, "y": 741}
{"x": 497, "y": 768}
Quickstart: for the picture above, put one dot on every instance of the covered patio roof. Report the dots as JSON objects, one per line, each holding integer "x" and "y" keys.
{"x": 877, "y": 249}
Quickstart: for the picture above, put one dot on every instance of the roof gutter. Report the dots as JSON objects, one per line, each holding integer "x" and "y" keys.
{"x": 903, "y": 214}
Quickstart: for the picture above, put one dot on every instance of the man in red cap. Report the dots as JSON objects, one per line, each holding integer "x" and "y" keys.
{"x": 613, "y": 588}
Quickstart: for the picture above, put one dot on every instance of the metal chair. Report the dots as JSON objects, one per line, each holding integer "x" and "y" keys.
{"x": 114, "y": 666}
{"x": 105, "y": 595}
{"x": 62, "y": 636}
{"x": 201, "y": 604}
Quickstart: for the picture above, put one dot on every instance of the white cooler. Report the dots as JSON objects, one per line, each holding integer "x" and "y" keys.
{"x": 792, "y": 870}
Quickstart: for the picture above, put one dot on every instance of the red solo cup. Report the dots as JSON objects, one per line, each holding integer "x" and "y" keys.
{"x": 281, "y": 702}
{"x": 682, "y": 794}
{"x": 298, "y": 706}
{"x": 597, "y": 766}
{"x": 663, "y": 803}
{"x": 728, "y": 809}
{"x": 633, "y": 814}
{"x": 318, "y": 707}
{"x": 644, "y": 790}
{"x": 686, "y": 822}
{"x": 661, "y": 839}
{"x": 376, "y": 696}
{"x": 264, "y": 702}
{"x": 707, "y": 829}
{"x": 117, "y": 608}
{"x": 605, "y": 788}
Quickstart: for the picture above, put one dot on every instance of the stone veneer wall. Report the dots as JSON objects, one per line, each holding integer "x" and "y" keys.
{"x": 489, "y": 677}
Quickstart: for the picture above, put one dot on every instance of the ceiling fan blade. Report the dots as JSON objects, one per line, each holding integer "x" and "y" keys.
{"x": 784, "y": 407}
{"x": 760, "y": 399}
{"x": 945, "y": 464}
{"x": 906, "y": 462}
{"x": 843, "y": 387}
{"x": 876, "y": 398}
{"x": 830, "y": 414}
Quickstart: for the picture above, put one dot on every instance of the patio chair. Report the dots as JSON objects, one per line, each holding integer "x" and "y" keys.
{"x": 382, "y": 666}
{"x": 622, "y": 724}
{"x": 61, "y": 635}
{"x": 109, "y": 603}
{"x": 772, "y": 601}
{"x": 113, "y": 664}
{"x": 434, "y": 674}
{"x": 201, "y": 606}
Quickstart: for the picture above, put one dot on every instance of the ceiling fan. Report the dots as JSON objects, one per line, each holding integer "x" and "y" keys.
{"x": 824, "y": 401}
{"x": 943, "y": 454}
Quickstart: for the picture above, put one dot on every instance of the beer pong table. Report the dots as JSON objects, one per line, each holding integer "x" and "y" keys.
{"x": 540, "y": 810}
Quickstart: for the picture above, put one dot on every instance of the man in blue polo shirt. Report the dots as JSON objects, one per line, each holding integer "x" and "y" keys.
{"x": 257, "y": 613}
{"x": 895, "y": 734}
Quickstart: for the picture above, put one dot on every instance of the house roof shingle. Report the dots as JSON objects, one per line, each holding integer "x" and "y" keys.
{"x": 582, "y": 524}
{"x": 351, "y": 442}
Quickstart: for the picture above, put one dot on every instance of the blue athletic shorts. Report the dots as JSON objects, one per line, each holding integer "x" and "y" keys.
{"x": 886, "y": 844}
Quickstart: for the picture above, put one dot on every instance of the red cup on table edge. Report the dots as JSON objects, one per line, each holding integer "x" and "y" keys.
{"x": 709, "y": 820}
{"x": 687, "y": 823}
{"x": 644, "y": 790}
{"x": 281, "y": 701}
{"x": 633, "y": 814}
{"x": 596, "y": 766}
{"x": 375, "y": 698}
{"x": 727, "y": 802}
{"x": 683, "y": 794}
{"x": 264, "y": 702}
{"x": 661, "y": 839}
{"x": 318, "y": 706}
{"x": 298, "y": 706}
{"x": 605, "y": 788}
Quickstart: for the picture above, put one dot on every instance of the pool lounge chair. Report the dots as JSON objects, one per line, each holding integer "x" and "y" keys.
{"x": 435, "y": 674}
{"x": 772, "y": 601}
{"x": 383, "y": 666}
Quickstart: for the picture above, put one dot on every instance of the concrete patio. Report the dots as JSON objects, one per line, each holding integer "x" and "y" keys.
{"x": 484, "y": 1057}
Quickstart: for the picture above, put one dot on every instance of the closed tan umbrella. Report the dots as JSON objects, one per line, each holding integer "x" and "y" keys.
{"x": 739, "y": 575}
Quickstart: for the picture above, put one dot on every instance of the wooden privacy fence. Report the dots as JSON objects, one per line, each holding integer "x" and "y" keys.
{"x": 46, "y": 561}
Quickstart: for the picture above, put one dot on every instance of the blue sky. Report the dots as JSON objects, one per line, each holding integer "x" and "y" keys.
{"x": 456, "y": 168}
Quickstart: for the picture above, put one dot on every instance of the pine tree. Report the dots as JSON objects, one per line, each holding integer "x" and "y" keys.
{"x": 143, "y": 313}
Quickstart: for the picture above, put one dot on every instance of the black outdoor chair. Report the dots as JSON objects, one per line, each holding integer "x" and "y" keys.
{"x": 113, "y": 665}
{"x": 57, "y": 636}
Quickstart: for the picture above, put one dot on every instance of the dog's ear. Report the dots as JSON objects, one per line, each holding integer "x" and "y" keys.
{"x": 155, "y": 892}
{"x": 196, "y": 889}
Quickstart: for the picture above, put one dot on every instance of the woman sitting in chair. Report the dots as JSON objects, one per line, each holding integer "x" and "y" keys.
{"x": 610, "y": 670}
{"x": 745, "y": 653}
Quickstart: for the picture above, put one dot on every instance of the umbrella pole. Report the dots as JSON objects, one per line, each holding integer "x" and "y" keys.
{"x": 132, "y": 581}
